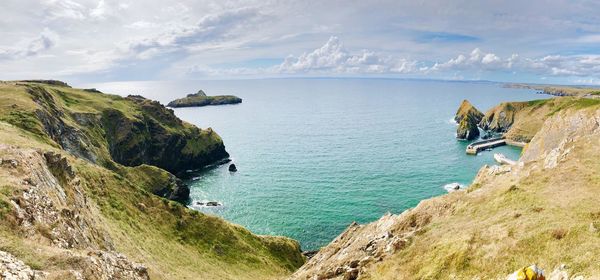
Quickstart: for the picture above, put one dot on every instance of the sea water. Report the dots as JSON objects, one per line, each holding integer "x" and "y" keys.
{"x": 314, "y": 155}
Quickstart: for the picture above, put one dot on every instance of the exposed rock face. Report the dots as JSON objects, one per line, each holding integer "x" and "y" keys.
{"x": 153, "y": 135}
{"x": 201, "y": 99}
{"x": 63, "y": 216}
{"x": 361, "y": 246}
{"x": 553, "y": 143}
{"x": 467, "y": 109}
{"x": 467, "y": 129}
{"x": 467, "y": 117}
{"x": 53, "y": 204}
{"x": 12, "y": 268}
{"x": 146, "y": 140}
{"x": 501, "y": 117}
{"x": 67, "y": 136}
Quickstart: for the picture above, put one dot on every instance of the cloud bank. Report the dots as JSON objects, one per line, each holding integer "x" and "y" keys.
{"x": 98, "y": 40}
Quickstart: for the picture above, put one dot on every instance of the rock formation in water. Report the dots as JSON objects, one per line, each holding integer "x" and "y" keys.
{"x": 467, "y": 117}
{"x": 86, "y": 193}
{"x": 510, "y": 216}
{"x": 201, "y": 99}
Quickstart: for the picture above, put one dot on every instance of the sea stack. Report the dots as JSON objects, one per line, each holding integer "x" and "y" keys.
{"x": 467, "y": 117}
{"x": 232, "y": 168}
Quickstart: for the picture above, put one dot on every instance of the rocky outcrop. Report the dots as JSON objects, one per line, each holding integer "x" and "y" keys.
{"x": 467, "y": 129}
{"x": 467, "y": 117}
{"x": 554, "y": 141}
{"x": 362, "y": 246}
{"x": 12, "y": 268}
{"x": 501, "y": 117}
{"x": 152, "y": 135}
{"x": 156, "y": 137}
{"x": 69, "y": 137}
{"x": 201, "y": 99}
{"x": 52, "y": 204}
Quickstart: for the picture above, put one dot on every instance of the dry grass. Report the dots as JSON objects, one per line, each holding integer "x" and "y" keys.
{"x": 540, "y": 216}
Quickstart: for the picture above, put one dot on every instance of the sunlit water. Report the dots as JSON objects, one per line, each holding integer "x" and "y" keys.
{"x": 316, "y": 154}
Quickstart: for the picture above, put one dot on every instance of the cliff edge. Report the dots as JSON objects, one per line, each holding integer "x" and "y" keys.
{"x": 86, "y": 192}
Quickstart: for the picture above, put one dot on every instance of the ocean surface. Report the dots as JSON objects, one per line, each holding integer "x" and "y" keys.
{"x": 314, "y": 155}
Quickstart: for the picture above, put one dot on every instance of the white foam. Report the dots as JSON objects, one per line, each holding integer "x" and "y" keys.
{"x": 453, "y": 187}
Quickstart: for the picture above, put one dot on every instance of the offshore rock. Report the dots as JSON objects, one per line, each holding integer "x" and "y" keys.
{"x": 467, "y": 117}
{"x": 200, "y": 99}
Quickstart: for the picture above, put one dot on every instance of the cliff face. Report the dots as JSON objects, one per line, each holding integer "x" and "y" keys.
{"x": 156, "y": 137}
{"x": 543, "y": 210}
{"x": 72, "y": 208}
{"x": 467, "y": 117}
{"x": 520, "y": 121}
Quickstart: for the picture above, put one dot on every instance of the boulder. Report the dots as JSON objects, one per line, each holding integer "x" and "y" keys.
{"x": 232, "y": 168}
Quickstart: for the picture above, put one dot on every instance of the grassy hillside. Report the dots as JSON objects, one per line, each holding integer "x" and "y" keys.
{"x": 63, "y": 196}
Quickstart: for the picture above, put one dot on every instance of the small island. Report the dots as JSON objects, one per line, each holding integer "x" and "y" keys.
{"x": 200, "y": 99}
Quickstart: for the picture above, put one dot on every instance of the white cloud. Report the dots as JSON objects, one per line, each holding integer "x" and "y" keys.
{"x": 333, "y": 58}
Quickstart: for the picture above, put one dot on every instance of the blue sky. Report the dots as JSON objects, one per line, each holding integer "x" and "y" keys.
{"x": 110, "y": 40}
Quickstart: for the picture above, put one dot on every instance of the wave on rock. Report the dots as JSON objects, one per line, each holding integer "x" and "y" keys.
{"x": 453, "y": 187}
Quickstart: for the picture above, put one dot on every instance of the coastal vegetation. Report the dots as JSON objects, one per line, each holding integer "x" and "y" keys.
{"x": 88, "y": 191}
{"x": 200, "y": 99}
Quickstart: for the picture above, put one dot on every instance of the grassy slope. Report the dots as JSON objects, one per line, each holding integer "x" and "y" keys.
{"x": 173, "y": 241}
{"x": 548, "y": 217}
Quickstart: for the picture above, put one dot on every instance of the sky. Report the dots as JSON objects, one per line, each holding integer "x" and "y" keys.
{"x": 109, "y": 40}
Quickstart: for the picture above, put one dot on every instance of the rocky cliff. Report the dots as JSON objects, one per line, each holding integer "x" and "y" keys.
{"x": 200, "y": 99}
{"x": 542, "y": 210}
{"x": 468, "y": 118}
{"x": 75, "y": 203}
{"x": 520, "y": 121}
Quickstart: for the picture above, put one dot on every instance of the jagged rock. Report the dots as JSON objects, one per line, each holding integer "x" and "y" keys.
{"x": 467, "y": 129}
{"x": 12, "y": 268}
{"x": 467, "y": 117}
{"x": 232, "y": 168}
{"x": 501, "y": 117}
{"x": 466, "y": 109}
{"x": 111, "y": 265}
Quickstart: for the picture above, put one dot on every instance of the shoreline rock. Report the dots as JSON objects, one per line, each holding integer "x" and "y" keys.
{"x": 232, "y": 168}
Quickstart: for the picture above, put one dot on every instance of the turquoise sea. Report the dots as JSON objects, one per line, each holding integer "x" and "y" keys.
{"x": 316, "y": 154}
